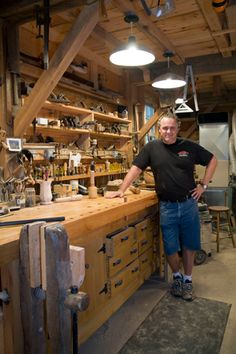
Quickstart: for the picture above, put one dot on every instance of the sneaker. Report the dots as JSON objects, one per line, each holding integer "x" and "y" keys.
{"x": 177, "y": 286}
{"x": 187, "y": 290}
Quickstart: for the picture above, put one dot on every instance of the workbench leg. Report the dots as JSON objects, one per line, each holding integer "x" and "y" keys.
{"x": 12, "y": 325}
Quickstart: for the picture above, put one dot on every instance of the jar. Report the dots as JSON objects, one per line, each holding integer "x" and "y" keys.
{"x": 30, "y": 197}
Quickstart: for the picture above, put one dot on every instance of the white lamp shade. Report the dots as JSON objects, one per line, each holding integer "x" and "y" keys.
{"x": 169, "y": 81}
{"x": 131, "y": 55}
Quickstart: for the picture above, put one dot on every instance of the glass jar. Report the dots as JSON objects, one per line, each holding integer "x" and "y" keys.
{"x": 30, "y": 197}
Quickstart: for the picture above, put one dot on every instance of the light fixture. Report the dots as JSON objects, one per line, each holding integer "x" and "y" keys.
{"x": 168, "y": 80}
{"x": 131, "y": 54}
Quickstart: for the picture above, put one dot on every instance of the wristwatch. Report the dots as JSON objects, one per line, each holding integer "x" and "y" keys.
{"x": 204, "y": 186}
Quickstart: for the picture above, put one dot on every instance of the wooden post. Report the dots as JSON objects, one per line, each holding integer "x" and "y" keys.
{"x": 58, "y": 275}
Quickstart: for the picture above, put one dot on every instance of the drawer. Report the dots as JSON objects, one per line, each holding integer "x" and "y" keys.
{"x": 116, "y": 263}
{"x": 116, "y": 244}
{"x": 123, "y": 279}
{"x": 146, "y": 264}
{"x": 144, "y": 232}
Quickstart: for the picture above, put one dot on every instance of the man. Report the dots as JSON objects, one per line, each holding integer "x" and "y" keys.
{"x": 172, "y": 162}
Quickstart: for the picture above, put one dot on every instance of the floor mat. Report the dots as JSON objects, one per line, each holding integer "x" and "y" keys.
{"x": 179, "y": 327}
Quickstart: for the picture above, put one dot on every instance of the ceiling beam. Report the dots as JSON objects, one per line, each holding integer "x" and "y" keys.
{"x": 60, "y": 61}
{"x": 24, "y": 11}
{"x": 213, "y": 20}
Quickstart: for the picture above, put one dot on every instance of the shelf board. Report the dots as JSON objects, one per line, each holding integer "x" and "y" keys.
{"x": 109, "y": 135}
{"x": 65, "y": 108}
{"x": 86, "y": 176}
{"x": 57, "y": 131}
{"x": 78, "y": 110}
{"x": 110, "y": 118}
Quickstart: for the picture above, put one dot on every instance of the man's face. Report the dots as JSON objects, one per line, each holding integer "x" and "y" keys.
{"x": 168, "y": 130}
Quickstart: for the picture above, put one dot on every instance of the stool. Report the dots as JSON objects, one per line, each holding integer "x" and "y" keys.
{"x": 218, "y": 209}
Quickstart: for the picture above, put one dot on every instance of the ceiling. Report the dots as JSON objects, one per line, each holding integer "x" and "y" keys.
{"x": 193, "y": 31}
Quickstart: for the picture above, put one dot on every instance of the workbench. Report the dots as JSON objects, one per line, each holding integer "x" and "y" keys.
{"x": 100, "y": 226}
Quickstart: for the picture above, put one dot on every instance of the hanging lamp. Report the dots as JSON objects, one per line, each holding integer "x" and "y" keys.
{"x": 131, "y": 54}
{"x": 168, "y": 80}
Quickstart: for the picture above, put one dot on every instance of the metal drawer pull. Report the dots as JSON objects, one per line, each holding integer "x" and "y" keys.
{"x": 145, "y": 260}
{"x": 125, "y": 238}
{"x": 118, "y": 283}
{"x": 144, "y": 242}
{"x": 134, "y": 250}
{"x": 118, "y": 261}
{"x": 144, "y": 228}
{"x": 135, "y": 270}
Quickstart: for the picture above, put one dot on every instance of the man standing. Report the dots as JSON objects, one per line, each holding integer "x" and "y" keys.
{"x": 172, "y": 162}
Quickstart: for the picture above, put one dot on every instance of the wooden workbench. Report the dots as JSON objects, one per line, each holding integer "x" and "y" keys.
{"x": 81, "y": 217}
{"x": 90, "y": 223}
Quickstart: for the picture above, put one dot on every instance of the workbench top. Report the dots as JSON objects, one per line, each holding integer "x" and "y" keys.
{"x": 81, "y": 216}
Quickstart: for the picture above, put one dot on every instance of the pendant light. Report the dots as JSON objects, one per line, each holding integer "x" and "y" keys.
{"x": 131, "y": 54}
{"x": 168, "y": 80}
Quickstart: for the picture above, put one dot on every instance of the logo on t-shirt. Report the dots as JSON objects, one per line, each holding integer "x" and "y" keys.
{"x": 183, "y": 153}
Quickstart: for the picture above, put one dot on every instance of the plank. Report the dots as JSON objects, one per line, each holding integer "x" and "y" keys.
{"x": 77, "y": 262}
{"x": 13, "y": 331}
{"x": 58, "y": 275}
{"x": 32, "y": 306}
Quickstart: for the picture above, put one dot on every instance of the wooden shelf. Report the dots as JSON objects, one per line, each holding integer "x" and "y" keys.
{"x": 60, "y": 107}
{"x": 62, "y": 132}
{"x": 109, "y": 135}
{"x": 86, "y": 176}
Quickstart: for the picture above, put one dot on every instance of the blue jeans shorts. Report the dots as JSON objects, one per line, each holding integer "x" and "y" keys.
{"x": 180, "y": 225}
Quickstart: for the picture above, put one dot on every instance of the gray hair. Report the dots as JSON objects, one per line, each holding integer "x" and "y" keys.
{"x": 171, "y": 115}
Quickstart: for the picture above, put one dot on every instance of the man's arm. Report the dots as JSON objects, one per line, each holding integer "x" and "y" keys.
{"x": 133, "y": 173}
{"x": 209, "y": 172}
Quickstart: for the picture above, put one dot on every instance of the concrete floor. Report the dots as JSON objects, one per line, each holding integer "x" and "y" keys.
{"x": 215, "y": 279}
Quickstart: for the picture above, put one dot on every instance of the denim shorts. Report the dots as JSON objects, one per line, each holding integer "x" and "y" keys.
{"x": 180, "y": 225}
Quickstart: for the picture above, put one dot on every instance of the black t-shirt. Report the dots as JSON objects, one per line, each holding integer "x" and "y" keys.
{"x": 173, "y": 166}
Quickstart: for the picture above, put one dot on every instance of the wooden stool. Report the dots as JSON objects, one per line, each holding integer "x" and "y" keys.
{"x": 218, "y": 209}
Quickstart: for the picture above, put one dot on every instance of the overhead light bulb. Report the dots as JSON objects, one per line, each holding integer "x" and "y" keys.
{"x": 131, "y": 54}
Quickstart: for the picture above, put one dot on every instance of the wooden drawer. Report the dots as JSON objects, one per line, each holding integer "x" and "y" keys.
{"x": 116, "y": 263}
{"x": 117, "y": 243}
{"x": 124, "y": 278}
{"x": 146, "y": 264}
{"x": 144, "y": 234}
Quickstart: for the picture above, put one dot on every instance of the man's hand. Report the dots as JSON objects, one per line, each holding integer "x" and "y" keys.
{"x": 197, "y": 192}
{"x": 110, "y": 195}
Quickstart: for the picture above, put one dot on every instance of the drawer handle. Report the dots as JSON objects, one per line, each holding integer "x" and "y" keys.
{"x": 144, "y": 242}
{"x": 134, "y": 250}
{"x": 135, "y": 270}
{"x": 118, "y": 283}
{"x": 145, "y": 260}
{"x": 125, "y": 238}
{"x": 144, "y": 228}
{"x": 118, "y": 261}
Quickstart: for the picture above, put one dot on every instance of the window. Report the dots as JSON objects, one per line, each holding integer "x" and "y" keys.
{"x": 148, "y": 113}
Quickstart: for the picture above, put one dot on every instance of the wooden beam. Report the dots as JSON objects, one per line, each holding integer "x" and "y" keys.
{"x": 150, "y": 123}
{"x": 214, "y": 24}
{"x": 150, "y": 29}
{"x": 60, "y": 61}
{"x": 223, "y": 32}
